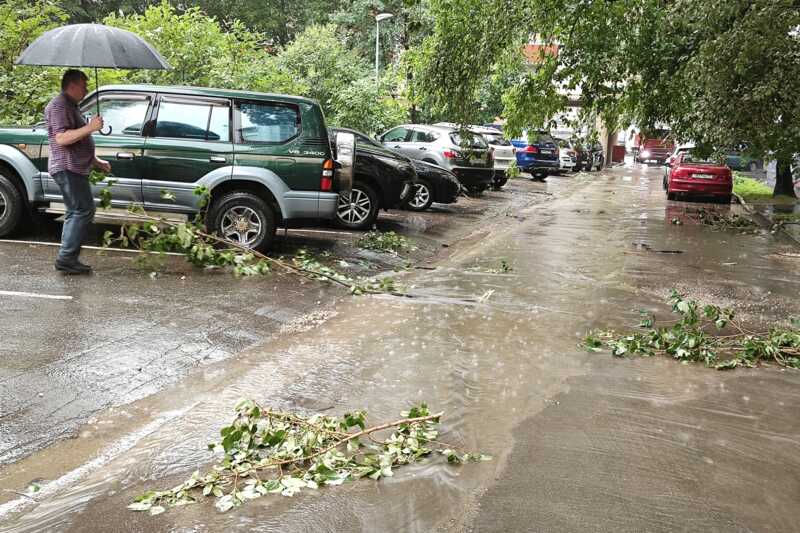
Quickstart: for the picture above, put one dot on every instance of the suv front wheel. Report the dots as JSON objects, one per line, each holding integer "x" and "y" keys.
{"x": 243, "y": 218}
{"x": 357, "y": 209}
{"x": 12, "y": 206}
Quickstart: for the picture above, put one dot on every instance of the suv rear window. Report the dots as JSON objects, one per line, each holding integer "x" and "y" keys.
{"x": 267, "y": 122}
{"x": 496, "y": 139}
{"x": 423, "y": 136}
{"x": 468, "y": 140}
{"x": 541, "y": 138}
{"x": 202, "y": 121}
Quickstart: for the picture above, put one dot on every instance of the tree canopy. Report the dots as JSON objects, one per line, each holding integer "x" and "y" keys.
{"x": 719, "y": 72}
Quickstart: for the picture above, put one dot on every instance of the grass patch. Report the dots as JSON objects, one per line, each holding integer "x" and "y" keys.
{"x": 750, "y": 189}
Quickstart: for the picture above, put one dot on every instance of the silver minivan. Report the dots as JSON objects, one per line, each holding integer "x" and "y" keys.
{"x": 466, "y": 155}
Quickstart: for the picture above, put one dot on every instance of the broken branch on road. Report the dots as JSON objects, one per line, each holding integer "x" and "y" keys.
{"x": 692, "y": 338}
{"x": 271, "y": 452}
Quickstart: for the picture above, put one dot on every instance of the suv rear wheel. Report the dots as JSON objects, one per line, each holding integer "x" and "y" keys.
{"x": 357, "y": 209}
{"x": 12, "y": 206}
{"x": 244, "y": 218}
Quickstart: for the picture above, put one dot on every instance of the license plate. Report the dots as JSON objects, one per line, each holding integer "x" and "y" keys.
{"x": 704, "y": 176}
{"x": 547, "y": 152}
{"x": 477, "y": 162}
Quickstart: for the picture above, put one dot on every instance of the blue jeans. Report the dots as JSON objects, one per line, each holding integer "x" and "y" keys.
{"x": 77, "y": 193}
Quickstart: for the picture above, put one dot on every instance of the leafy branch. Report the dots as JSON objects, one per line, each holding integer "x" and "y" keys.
{"x": 272, "y": 452}
{"x": 204, "y": 249}
{"x": 697, "y": 336}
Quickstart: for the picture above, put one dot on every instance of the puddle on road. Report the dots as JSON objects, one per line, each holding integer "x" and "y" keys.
{"x": 512, "y": 381}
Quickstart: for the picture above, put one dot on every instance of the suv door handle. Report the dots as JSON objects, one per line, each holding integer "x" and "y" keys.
{"x": 125, "y": 155}
{"x": 396, "y": 146}
{"x": 217, "y": 159}
{"x": 423, "y": 148}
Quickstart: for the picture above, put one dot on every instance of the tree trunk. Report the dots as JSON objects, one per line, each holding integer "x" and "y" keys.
{"x": 784, "y": 184}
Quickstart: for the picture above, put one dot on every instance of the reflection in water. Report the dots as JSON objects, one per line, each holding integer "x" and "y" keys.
{"x": 566, "y": 428}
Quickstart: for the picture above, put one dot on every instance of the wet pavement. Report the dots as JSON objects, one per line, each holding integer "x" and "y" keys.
{"x": 580, "y": 441}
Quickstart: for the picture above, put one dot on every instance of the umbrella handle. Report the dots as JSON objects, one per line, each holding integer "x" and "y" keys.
{"x": 110, "y": 129}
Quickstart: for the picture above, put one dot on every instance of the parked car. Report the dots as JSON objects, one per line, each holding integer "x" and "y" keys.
{"x": 464, "y": 154}
{"x": 382, "y": 179}
{"x": 593, "y": 157}
{"x": 537, "y": 154}
{"x": 267, "y": 159}
{"x": 739, "y": 160}
{"x": 503, "y": 151}
{"x": 434, "y": 184}
{"x": 568, "y": 155}
{"x": 692, "y": 174}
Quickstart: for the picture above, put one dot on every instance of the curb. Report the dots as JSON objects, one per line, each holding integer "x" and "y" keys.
{"x": 753, "y": 213}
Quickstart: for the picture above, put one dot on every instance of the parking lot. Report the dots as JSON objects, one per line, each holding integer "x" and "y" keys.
{"x": 73, "y": 346}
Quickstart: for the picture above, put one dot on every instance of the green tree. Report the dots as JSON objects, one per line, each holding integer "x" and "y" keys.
{"x": 280, "y": 21}
{"x": 202, "y": 53}
{"x": 720, "y": 72}
{"x": 366, "y": 106}
{"x": 399, "y": 35}
{"x": 25, "y": 90}
{"x": 319, "y": 58}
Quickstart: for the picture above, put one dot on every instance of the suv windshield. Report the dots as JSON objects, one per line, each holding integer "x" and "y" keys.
{"x": 468, "y": 140}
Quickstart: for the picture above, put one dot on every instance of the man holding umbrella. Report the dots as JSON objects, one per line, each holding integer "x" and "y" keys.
{"x": 72, "y": 155}
{"x": 72, "y": 158}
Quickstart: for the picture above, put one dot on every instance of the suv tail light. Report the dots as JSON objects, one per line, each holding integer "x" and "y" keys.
{"x": 531, "y": 149}
{"x": 326, "y": 182}
{"x": 451, "y": 154}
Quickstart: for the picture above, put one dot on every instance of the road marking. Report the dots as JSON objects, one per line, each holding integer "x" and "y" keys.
{"x": 297, "y": 230}
{"x": 85, "y": 247}
{"x": 35, "y": 295}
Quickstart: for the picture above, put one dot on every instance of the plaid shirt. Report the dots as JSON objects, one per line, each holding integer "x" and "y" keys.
{"x": 62, "y": 114}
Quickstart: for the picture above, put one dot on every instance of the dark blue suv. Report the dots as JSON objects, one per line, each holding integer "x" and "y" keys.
{"x": 537, "y": 153}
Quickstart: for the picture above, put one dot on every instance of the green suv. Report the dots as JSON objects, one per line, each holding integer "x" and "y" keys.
{"x": 266, "y": 159}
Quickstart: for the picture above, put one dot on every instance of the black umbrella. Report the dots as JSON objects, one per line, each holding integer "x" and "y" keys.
{"x": 92, "y": 45}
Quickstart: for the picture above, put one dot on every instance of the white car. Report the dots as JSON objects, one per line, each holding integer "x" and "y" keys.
{"x": 568, "y": 156}
{"x": 505, "y": 154}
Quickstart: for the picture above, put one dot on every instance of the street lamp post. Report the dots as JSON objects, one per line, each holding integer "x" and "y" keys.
{"x": 378, "y": 18}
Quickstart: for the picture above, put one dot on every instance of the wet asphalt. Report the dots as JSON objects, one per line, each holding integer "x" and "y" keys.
{"x": 581, "y": 441}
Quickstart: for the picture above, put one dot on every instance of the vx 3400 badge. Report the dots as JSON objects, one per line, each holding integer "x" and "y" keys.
{"x": 306, "y": 152}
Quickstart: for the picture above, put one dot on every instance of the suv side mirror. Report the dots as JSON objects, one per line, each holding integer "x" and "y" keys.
{"x": 345, "y": 158}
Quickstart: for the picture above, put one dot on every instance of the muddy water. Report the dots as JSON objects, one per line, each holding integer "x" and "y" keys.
{"x": 580, "y": 441}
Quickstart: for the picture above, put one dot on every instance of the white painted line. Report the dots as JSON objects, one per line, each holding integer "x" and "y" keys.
{"x": 85, "y": 247}
{"x": 35, "y": 295}
{"x": 298, "y": 230}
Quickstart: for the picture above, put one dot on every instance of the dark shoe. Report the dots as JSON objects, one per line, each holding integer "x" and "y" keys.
{"x": 82, "y": 266}
{"x": 75, "y": 268}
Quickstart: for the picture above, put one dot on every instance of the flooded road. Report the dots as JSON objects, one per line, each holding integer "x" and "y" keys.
{"x": 580, "y": 441}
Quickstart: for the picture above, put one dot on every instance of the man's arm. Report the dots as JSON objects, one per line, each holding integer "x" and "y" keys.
{"x": 67, "y": 137}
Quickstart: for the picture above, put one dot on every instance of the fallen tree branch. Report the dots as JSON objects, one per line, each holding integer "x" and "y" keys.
{"x": 304, "y": 452}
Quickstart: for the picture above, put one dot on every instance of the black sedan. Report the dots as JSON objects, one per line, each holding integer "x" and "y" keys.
{"x": 383, "y": 179}
{"x": 434, "y": 184}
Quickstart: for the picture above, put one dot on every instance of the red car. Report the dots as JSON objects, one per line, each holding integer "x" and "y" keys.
{"x": 690, "y": 174}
